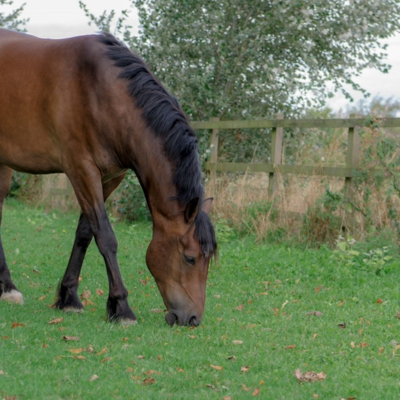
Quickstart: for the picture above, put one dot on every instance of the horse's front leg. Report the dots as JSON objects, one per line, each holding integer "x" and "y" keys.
{"x": 8, "y": 290}
{"x": 94, "y": 222}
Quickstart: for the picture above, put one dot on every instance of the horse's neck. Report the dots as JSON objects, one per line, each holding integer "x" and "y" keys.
{"x": 155, "y": 173}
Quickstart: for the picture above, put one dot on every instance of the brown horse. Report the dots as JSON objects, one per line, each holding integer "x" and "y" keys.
{"x": 88, "y": 107}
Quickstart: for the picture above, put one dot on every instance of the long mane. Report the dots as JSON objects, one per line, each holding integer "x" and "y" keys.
{"x": 168, "y": 123}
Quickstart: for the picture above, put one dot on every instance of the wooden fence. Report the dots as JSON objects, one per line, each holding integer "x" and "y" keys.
{"x": 276, "y": 167}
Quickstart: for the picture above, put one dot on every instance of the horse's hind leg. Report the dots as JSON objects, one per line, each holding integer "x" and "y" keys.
{"x": 67, "y": 296}
{"x": 8, "y": 290}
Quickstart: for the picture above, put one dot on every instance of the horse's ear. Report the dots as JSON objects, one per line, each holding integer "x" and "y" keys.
{"x": 191, "y": 210}
{"x": 207, "y": 203}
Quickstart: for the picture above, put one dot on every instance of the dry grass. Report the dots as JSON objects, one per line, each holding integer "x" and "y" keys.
{"x": 300, "y": 206}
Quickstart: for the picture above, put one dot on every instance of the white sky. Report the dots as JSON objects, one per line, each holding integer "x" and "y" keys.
{"x": 64, "y": 18}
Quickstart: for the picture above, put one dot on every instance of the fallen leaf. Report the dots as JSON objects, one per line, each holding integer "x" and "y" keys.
{"x": 105, "y": 360}
{"x": 180, "y": 369}
{"x": 244, "y": 369}
{"x": 125, "y": 339}
{"x": 316, "y": 313}
{"x": 76, "y": 351}
{"x": 256, "y": 392}
{"x": 353, "y": 345}
{"x": 381, "y": 350}
{"x": 217, "y": 367}
{"x": 1, "y": 372}
{"x": 240, "y": 308}
{"x": 136, "y": 378}
{"x": 42, "y": 297}
{"x": 210, "y": 386}
{"x": 290, "y": 347}
{"x": 70, "y": 338}
{"x": 232, "y": 358}
{"x": 237, "y": 341}
{"x": 80, "y": 358}
{"x": 379, "y": 301}
{"x": 86, "y": 294}
{"x": 309, "y": 376}
{"x": 140, "y": 357}
{"x": 315, "y": 336}
{"x": 351, "y": 398}
{"x": 342, "y": 325}
{"x": 44, "y": 345}
{"x": 341, "y": 303}
{"x": 102, "y": 351}
{"x": 5, "y": 337}
{"x": 94, "y": 378}
{"x": 151, "y": 372}
{"x": 317, "y": 289}
{"x": 17, "y": 325}
{"x": 149, "y": 381}
{"x": 284, "y": 304}
{"x": 157, "y": 310}
{"x": 129, "y": 369}
{"x": 99, "y": 292}
{"x": 56, "y": 321}
{"x": 143, "y": 282}
{"x": 245, "y": 388}
{"x": 397, "y": 347}
{"x": 227, "y": 398}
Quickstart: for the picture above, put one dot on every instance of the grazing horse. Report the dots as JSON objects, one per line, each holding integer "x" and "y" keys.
{"x": 90, "y": 108}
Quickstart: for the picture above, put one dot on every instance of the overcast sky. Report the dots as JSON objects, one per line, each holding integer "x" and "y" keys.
{"x": 64, "y": 18}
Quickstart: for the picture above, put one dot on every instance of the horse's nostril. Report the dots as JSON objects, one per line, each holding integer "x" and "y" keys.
{"x": 194, "y": 321}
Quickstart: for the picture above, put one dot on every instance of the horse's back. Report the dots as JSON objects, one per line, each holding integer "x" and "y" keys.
{"x": 43, "y": 84}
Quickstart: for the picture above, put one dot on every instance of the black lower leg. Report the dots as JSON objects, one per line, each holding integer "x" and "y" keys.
{"x": 67, "y": 292}
{"x": 6, "y": 284}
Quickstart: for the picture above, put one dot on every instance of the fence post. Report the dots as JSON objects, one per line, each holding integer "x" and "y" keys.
{"x": 214, "y": 143}
{"x": 276, "y": 156}
{"x": 352, "y": 161}
{"x": 214, "y": 149}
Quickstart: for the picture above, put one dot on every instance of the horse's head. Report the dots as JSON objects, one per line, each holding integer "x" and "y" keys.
{"x": 179, "y": 259}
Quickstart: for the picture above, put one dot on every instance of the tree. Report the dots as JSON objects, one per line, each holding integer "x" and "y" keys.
{"x": 11, "y": 19}
{"x": 233, "y": 58}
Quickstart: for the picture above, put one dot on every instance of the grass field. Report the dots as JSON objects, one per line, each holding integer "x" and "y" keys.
{"x": 259, "y": 327}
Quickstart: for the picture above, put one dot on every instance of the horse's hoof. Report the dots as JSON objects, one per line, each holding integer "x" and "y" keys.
{"x": 127, "y": 321}
{"x": 13, "y": 296}
{"x": 73, "y": 309}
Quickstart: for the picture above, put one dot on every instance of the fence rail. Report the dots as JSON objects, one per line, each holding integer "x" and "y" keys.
{"x": 347, "y": 171}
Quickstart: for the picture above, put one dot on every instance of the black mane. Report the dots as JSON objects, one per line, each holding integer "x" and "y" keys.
{"x": 168, "y": 122}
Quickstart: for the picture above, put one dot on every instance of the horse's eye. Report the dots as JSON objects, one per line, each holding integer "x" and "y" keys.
{"x": 189, "y": 259}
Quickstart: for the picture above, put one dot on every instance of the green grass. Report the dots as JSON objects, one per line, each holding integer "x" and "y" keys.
{"x": 257, "y": 294}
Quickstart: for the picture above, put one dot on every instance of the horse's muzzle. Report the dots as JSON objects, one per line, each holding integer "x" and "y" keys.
{"x": 174, "y": 317}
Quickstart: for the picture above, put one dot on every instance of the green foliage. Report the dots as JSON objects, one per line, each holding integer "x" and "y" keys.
{"x": 129, "y": 200}
{"x": 224, "y": 231}
{"x": 348, "y": 255}
{"x": 11, "y": 19}
{"x": 233, "y": 59}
